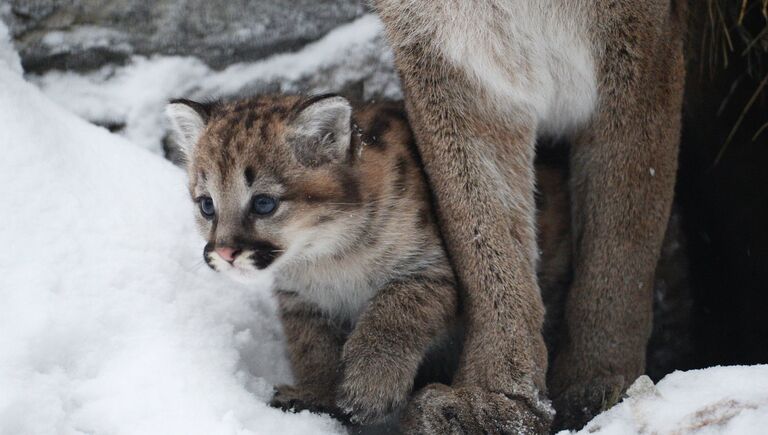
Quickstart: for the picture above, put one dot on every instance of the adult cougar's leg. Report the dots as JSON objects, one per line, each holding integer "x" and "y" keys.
{"x": 480, "y": 167}
{"x": 622, "y": 180}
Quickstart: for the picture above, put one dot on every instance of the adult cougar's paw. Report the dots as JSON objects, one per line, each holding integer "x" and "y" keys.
{"x": 369, "y": 392}
{"x": 578, "y": 404}
{"x": 438, "y": 409}
{"x": 295, "y": 399}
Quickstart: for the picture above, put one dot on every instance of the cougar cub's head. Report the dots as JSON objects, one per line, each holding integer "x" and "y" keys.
{"x": 272, "y": 177}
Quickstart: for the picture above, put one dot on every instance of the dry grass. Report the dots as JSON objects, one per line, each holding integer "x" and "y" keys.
{"x": 738, "y": 29}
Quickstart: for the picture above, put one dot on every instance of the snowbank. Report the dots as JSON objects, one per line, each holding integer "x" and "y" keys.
{"x": 717, "y": 400}
{"x": 110, "y": 322}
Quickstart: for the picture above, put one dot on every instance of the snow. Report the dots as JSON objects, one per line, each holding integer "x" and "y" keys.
{"x": 110, "y": 323}
{"x": 83, "y": 37}
{"x": 135, "y": 94}
{"x": 716, "y": 400}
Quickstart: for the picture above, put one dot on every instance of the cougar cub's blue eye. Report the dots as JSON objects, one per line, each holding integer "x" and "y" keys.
{"x": 206, "y": 207}
{"x": 263, "y": 204}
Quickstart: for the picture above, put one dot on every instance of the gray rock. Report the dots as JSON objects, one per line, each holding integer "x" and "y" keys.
{"x": 86, "y": 34}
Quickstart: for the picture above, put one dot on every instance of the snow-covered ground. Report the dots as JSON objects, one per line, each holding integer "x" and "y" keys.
{"x": 110, "y": 323}
{"x": 717, "y": 400}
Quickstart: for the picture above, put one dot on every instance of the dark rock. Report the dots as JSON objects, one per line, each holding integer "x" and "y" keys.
{"x": 86, "y": 34}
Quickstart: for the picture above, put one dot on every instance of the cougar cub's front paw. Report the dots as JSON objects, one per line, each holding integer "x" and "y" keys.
{"x": 439, "y": 409}
{"x": 295, "y": 399}
{"x": 370, "y": 391}
{"x": 578, "y": 404}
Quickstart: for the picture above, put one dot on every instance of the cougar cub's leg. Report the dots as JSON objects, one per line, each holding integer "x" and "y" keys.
{"x": 314, "y": 350}
{"x": 480, "y": 167}
{"x": 383, "y": 352}
{"x": 622, "y": 180}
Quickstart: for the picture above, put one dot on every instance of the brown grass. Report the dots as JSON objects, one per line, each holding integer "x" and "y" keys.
{"x": 738, "y": 28}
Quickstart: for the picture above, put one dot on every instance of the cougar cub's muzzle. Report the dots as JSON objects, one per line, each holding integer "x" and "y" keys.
{"x": 240, "y": 254}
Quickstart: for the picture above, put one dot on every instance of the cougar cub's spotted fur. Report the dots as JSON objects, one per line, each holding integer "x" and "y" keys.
{"x": 330, "y": 204}
{"x": 355, "y": 257}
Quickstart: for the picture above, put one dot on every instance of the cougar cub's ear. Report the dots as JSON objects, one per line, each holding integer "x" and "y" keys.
{"x": 320, "y": 132}
{"x": 188, "y": 119}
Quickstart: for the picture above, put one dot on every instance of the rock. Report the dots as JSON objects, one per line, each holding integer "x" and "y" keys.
{"x": 352, "y": 60}
{"x": 8, "y": 56}
{"x": 641, "y": 388}
{"x": 86, "y": 34}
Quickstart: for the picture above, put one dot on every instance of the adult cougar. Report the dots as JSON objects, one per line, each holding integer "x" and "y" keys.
{"x": 483, "y": 80}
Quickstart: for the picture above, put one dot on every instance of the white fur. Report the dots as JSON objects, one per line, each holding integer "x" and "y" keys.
{"x": 187, "y": 125}
{"x": 242, "y": 270}
{"x": 531, "y": 57}
{"x": 340, "y": 287}
{"x": 321, "y": 268}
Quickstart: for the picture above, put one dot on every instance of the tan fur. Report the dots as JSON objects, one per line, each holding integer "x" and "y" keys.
{"x": 482, "y": 81}
{"x": 364, "y": 285}
{"x": 356, "y": 362}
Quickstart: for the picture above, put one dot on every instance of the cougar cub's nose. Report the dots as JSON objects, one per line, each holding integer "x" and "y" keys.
{"x": 228, "y": 254}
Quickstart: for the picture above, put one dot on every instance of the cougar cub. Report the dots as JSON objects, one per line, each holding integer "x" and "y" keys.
{"x": 330, "y": 204}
